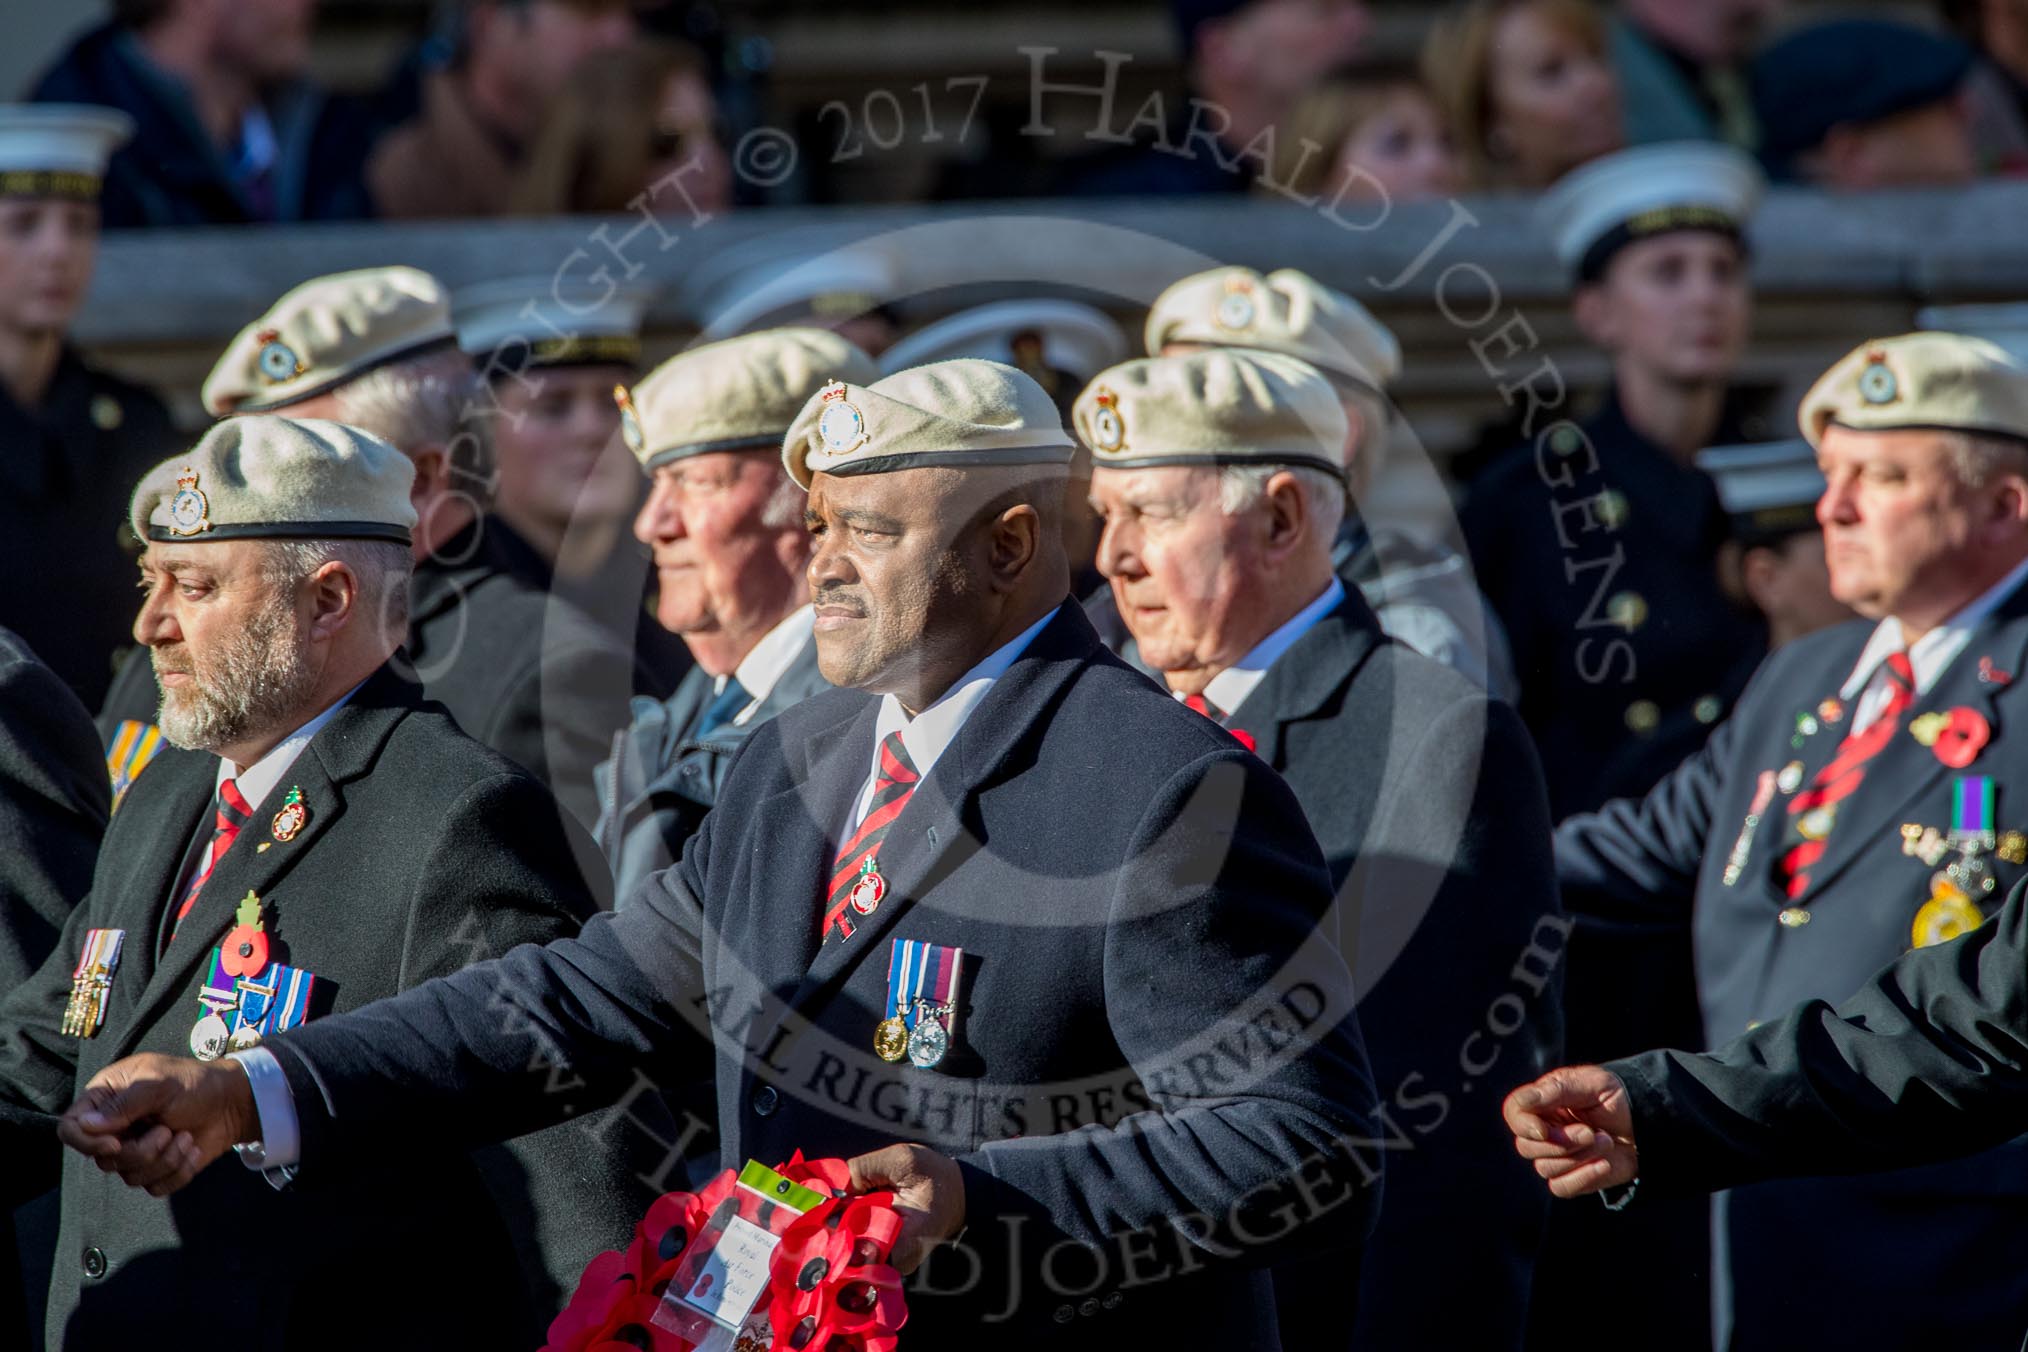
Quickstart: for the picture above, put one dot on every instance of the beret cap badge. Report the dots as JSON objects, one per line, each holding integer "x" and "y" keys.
{"x": 630, "y": 420}
{"x": 1108, "y": 429}
{"x": 841, "y": 426}
{"x": 189, "y": 510}
{"x": 1877, "y": 383}
{"x": 277, "y": 360}
{"x": 1236, "y": 307}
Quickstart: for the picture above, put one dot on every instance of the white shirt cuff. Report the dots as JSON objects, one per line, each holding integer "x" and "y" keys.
{"x": 281, "y": 1140}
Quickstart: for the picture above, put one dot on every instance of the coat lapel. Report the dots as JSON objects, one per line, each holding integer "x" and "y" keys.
{"x": 1305, "y": 676}
{"x": 177, "y": 798}
{"x": 1907, "y": 772}
{"x": 343, "y": 750}
{"x": 932, "y": 836}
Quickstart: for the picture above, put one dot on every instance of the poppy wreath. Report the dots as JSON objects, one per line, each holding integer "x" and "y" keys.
{"x": 830, "y": 1287}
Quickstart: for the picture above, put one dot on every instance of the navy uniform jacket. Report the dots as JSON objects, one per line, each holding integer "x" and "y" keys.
{"x": 1428, "y": 803}
{"x": 661, "y": 778}
{"x": 1660, "y": 864}
{"x": 72, "y": 465}
{"x": 423, "y": 851}
{"x": 1611, "y": 603}
{"x": 1138, "y": 902}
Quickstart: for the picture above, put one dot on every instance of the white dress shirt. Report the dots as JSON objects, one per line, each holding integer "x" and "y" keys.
{"x": 928, "y": 734}
{"x": 1930, "y": 656}
{"x": 762, "y": 669}
{"x": 1229, "y": 688}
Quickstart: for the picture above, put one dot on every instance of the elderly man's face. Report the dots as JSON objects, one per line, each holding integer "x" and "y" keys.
{"x": 1182, "y": 571}
{"x": 230, "y": 650}
{"x": 723, "y": 563}
{"x": 1902, "y": 532}
{"x": 898, "y": 574}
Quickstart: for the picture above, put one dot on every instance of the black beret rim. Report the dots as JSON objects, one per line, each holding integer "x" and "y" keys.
{"x": 287, "y": 530}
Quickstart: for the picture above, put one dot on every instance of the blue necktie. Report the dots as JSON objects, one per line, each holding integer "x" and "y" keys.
{"x": 721, "y": 710}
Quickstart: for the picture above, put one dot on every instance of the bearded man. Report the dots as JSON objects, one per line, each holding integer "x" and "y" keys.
{"x": 321, "y": 837}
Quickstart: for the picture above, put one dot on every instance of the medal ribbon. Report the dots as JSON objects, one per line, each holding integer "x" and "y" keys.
{"x": 1972, "y": 810}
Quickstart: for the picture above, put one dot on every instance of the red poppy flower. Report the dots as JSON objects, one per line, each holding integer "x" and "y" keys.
{"x": 245, "y": 951}
{"x": 1963, "y": 737}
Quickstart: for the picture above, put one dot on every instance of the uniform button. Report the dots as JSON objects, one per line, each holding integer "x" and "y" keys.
{"x": 765, "y": 1100}
{"x": 1708, "y": 708}
{"x": 1112, "y": 1300}
{"x": 1565, "y": 440}
{"x": 1089, "y": 1308}
{"x": 1611, "y": 510}
{"x": 95, "y": 1262}
{"x": 1064, "y": 1314}
{"x": 1642, "y": 716}
{"x": 1627, "y": 609}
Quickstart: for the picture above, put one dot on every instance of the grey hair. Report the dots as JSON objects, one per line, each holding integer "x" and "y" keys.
{"x": 382, "y": 567}
{"x": 1976, "y": 459}
{"x": 428, "y": 400}
{"x": 1241, "y": 487}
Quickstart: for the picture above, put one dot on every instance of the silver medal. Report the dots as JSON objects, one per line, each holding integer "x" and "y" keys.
{"x": 208, "y": 1038}
{"x": 928, "y": 1042}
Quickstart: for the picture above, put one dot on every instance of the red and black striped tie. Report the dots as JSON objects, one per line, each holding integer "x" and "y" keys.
{"x": 1201, "y": 705}
{"x": 1839, "y": 779}
{"x": 891, "y": 787}
{"x": 233, "y": 813}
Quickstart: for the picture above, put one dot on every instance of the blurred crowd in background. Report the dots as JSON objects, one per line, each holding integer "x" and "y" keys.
{"x": 543, "y": 107}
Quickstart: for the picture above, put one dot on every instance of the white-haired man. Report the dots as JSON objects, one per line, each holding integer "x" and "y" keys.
{"x": 1218, "y": 479}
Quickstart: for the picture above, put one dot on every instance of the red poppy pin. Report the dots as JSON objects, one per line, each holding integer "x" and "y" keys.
{"x": 1992, "y": 675}
{"x": 1962, "y": 737}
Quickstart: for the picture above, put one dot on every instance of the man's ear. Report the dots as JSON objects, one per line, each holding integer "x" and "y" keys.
{"x": 1288, "y": 513}
{"x": 333, "y": 595}
{"x": 432, "y": 475}
{"x": 1013, "y": 544}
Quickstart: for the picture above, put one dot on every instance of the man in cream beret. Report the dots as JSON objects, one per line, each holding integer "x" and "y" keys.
{"x": 528, "y": 674}
{"x": 1218, "y": 477}
{"x": 76, "y": 436}
{"x": 1421, "y": 589}
{"x": 1860, "y": 802}
{"x": 724, "y": 525}
{"x": 997, "y": 887}
{"x": 318, "y": 835}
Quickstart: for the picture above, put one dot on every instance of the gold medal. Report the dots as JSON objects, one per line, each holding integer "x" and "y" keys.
{"x": 1947, "y": 914}
{"x": 890, "y": 1039}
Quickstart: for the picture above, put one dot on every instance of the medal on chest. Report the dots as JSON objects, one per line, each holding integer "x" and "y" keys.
{"x": 1958, "y": 890}
{"x": 247, "y": 995}
{"x": 922, "y": 995}
{"x": 91, "y": 984}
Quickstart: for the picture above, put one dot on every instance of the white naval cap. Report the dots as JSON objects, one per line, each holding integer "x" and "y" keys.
{"x": 1032, "y": 335}
{"x": 745, "y": 290}
{"x": 1768, "y": 489}
{"x": 521, "y": 322}
{"x": 58, "y": 149}
{"x": 2004, "y": 324}
{"x": 1598, "y": 208}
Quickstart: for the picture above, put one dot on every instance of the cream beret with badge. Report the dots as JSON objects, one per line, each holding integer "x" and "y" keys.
{"x": 1937, "y": 380}
{"x": 1286, "y": 312}
{"x": 738, "y": 394}
{"x": 272, "y": 478}
{"x": 964, "y": 413}
{"x": 1216, "y": 407}
{"x": 325, "y": 332}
